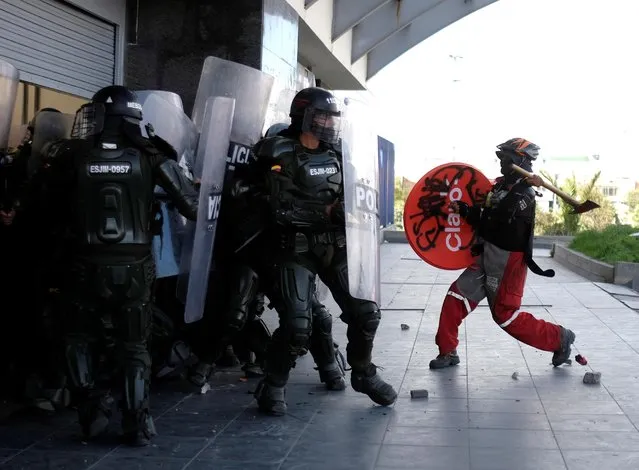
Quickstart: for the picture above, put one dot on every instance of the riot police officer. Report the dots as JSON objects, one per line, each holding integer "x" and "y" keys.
{"x": 105, "y": 176}
{"x": 298, "y": 179}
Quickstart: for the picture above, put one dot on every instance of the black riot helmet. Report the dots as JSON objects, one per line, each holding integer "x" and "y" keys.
{"x": 108, "y": 108}
{"x": 31, "y": 124}
{"x": 275, "y": 129}
{"x": 519, "y": 151}
{"x": 119, "y": 101}
{"x": 315, "y": 110}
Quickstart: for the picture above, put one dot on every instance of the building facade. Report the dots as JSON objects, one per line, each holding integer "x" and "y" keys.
{"x": 66, "y": 50}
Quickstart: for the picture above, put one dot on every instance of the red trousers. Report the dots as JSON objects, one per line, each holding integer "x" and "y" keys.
{"x": 500, "y": 276}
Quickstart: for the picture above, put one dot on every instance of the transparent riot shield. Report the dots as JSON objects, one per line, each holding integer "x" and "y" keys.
{"x": 9, "y": 79}
{"x": 251, "y": 90}
{"x": 48, "y": 126}
{"x": 361, "y": 200}
{"x": 195, "y": 263}
{"x": 171, "y": 124}
{"x": 169, "y": 96}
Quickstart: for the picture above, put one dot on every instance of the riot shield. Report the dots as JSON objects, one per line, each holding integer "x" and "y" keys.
{"x": 48, "y": 126}
{"x": 171, "y": 124}
{"x": 361, "y": 200}
{"x": 441, "y": 238}
{"x": 195, "y": 263}
{"x": 169, "y": 96}
{"x": 251, "y": 90}
{"x": 9, "y": 79}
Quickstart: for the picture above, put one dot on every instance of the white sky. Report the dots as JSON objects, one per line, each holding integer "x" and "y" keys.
{"x": 561, "y": 73}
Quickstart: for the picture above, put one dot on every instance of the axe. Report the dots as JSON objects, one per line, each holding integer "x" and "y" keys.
{"x": 578, "y": 207}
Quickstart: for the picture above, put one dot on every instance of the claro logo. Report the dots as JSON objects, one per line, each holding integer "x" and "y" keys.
{"x": 438, "y": 236}
{"x": 453, "y": 221}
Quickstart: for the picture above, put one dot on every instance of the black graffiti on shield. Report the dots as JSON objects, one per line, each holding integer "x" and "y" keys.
{"x": 431, "y": 204}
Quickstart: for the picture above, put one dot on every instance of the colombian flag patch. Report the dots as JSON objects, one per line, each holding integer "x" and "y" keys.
{"x": 277, "y": 168}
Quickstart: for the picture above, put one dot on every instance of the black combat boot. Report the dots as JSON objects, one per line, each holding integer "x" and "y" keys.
{"x": 333, "y": 378}
{"x": 200, "y": 373}
{"x": 271, "y": 399}
{"x": 369, "y": 382}
{"x": 228, "y": 359}
{"x": 94, "y": 413}
{"x": 137, "y": 427}
{"x": 562, "y": 355}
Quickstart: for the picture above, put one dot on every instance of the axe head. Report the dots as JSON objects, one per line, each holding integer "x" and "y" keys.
{"x": 585, "y": 207}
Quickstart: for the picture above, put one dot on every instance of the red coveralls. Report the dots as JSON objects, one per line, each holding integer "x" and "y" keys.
{"x": 505, "y": 223}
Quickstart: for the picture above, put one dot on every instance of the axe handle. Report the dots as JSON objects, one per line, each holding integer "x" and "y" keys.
{"x": 566, "y": 197}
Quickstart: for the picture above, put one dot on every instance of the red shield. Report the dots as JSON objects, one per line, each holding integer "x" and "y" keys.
{"x": 439, "y": 237}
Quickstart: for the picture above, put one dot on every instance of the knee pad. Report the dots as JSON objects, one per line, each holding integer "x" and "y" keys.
{"x": 322, "y": 321}
{"x": 235, "y": 321}
{"x": 300, "y": 332}
{"x": 133, "y": 323}
{"x": 366, "y": 316}
{"x": 244, "y": 288}
{"x": 257, "y": 308}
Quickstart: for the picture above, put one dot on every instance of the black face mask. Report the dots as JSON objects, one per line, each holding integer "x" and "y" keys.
{"x": 506, "y": 159}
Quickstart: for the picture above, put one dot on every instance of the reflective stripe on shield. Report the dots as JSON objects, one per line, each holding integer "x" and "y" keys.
{"x": 361, "y": 200}
{"x": 161, "y": 110}
{"x": 212, "y": 149}
{"x": 9, "y": 79}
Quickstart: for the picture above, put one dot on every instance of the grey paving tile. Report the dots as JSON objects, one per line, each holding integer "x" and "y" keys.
{"x": 432, "y": 404}
{"x": 593, "y": 407}
{"x": 189, "y": 426}
{"x": 423, "y": 457}
{"x": 590, "y": 423}
{"x": 309, "y": 453}
{"x": 203, "y": 464}
{"x": 598, "y": 440}
{"x": 23, "y": 435}
{"x": 48, "y": 460}
{"x": 597, "y": 460}
{"x": 520, "y": 459}
{"x": 418, "y": 436}
{"x": 344, "y": 425}
{"x": 528, "y": 421}
{"x": 252, "y": 450}
{"x": 429, "y": 419}
{"x": 70, "y": 440}
{"x": 176, "y": 447}
{"x": 505, "y": 406}
{"x": 6, "y": 454}
{"x": 119, "y": 462}
{"x": 512, "y": 439}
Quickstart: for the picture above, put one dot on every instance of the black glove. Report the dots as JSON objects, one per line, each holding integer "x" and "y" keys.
{"x": 464, "y": 209}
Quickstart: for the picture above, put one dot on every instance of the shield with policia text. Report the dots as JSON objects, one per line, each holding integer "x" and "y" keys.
{"x": 250, "y": 89}
{"x": 196, "y": 262}
{"x": 159, "y": 108}
{"x": 361, "y": 201}
{"x": 437, "y": 235}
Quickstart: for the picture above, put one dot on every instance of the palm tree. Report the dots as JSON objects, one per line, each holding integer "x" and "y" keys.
{"x": 581, "y": 192}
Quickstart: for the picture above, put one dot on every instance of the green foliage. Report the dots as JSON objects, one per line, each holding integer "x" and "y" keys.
{"x": 633, "y": 205}
{"x": 567, "y": 223}
{"x": 401, "y": 193}
{"x": 610, "y": 245}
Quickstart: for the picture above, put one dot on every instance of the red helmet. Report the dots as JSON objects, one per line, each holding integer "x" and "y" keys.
{"x": 520, "y": 147}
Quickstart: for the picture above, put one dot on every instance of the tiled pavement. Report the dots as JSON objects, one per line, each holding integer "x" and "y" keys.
{"x": 477, "y": 416}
